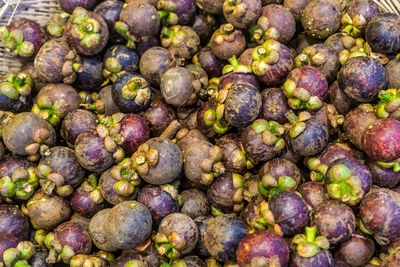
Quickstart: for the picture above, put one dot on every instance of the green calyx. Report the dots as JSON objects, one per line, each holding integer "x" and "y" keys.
{"x": 262, "y": 31}
{"x": 237, "y": 8}
{"x": 21, "y": 184}
{"x": 71, "y": 67}
{"x": 92, "y": 102}
{"x": 52, "y": 182}
{"x": 82, "y": 260}
{"x": 265, "y": 219}
{"x": 310, "y": 56}
{"x": 173, "y": 36}
{"x": 19, "y": 256}
{"x": 265, "y": 55}
{"x": 389, "y": 104}
{"x": 57, "y": 252}
{"x": 138, "y": 90}
{"x": 353, "y": 26}
{"x": 309, "y": 244}
{"x": 123, "y": 29}
{"x": 91, "y": 186}
{"x": 215, "y": 118}
{"x": 344, "y": 186}
{"x": 298, "y": 122}
{"x": 49, "y": 110}
{"x": 166, "y": 10}
{"x": 211, "y": 166}
{"x": 225, "y": 33}
{"x": 354, "y": 47}
{"x": 57, "y": 24}
{"x": 17, "y": 85}
{"x": 300, "y": 98}
{"x": 169, "y": 246}
{"x": 109, "y": 130}
{"x": 113, "y": 69}
{"x": 270, "y": 185}
{"x": 240, "y": 159}
{"x": 236, "y": 67}
{"x": 15, "y": 44}
{"x": 271, "y": 133}
{"x": 318, "y": 170}
{"x": 85, "y": 28}
{"x": 394, "y": 165}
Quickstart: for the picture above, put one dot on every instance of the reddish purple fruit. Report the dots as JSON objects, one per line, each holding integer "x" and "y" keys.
{"x": 76, "y": 122}
{"x": 382, "y": 33}
{"x": 69, "y": 5}
{"x": 357, "y": 251}
{"x": 13, "y": 222}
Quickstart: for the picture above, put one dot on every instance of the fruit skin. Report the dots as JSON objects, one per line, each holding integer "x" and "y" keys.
{"x": 383, "y": 176}
{"x": 135, "y": 131}
{"x": 107, "y": 188}
{"x": 69, "y": 5}
{"x": 321, "y": 18}
{"x": 334, "y": 220}
{"x": 84, "y": 204}
{"x": 154, "y": 62}
{"x": 13, "y": 222}
{"x": 96, "y": 230}
{"x": 382, "y": 33}
{"x": 313, "y": 193}
{"x": 379, "y": 213}
{"x": 357, "y": 251}
{"x": 361, "y": 78}
{"x": 240, "y": 19}
{"x": 91, "y": 152}
{"x": 290, "y": 212}
{"x": 381, "y": 141}
{"x": 262, "y": 247}
{"x": 322, "y": 259}
{"x": 194, "y": 203}
{"x": 34, "y": 129}
{"x": 392, "y": 72}
{"x": 76, "y": 122}
{"x": 47, "y": 212}
{"x": 339, "y": 99}
{"x": 296, "y": 7}
{"x": 128, "y": 224}
{"x": 158, "y": 116}
{"x": 211, "y": 6}
{"x": 223, "y": 236}
{"x": 227, "y": 41}
{"x": 7, "y": 241}
{"x": 91, "y": 77}
{"x": 274, "y": 105}
{"x": 110, "y": 10}
{"x": 202, "y": 223}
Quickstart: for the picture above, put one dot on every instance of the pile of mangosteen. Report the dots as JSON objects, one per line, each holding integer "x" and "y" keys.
{"x": 202, "y": 133}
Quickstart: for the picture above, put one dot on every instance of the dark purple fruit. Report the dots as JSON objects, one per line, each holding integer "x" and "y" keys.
{"x": 223, "y": 236}
{"x": 272, "y": 62}
{"x": 76, "y": 122}
{"x": 69, "y": 5}
{"x": 60, "y": 171}
{"x": 160, "y": 200}
{"x": 357, "y": 16}
{"x": 379, "y": 212}
{"x": 305, "y": 87}
{"x": 13, "y": 222}
{"x": 110, "y": 10}
{"x": 242, "y": 14}
{"x": 384, "y": 174}
{"x": 348, "y": 180}
{"x": 128, "y": 257}
{"x": 158, "y": 161}
{"x": 380, "y": 142}
{"x": 119, "y": 59}
{"x": 276, "y": 22}
{"x": 177, "y": 236}
{"x": 86, "y": 31}
{"x": 357, "y": 121}
{"x": 180, "y": 12}
{"x": 392, "y": 73}
{"x": 57, "y": 62}
{"x": 128, "y": 224}
{"x": 321, "y": 18}
{"x": 322, "y": 57}
{"x": 91, "y": 152}
{"x": 382, "y": 33}
{"x": 154, "y": 62}
{"x": 334, "y": 220}
{"x": 357, "y": 251}
{"x": 15, "y": 92}
{"x": 313, "y": 193}
{"x": 87, "y": 199}
{"x": 209, "y": 62}
{"x": 262, "y": 248}
{"x": 131, "y": 93}
{"x": 274, "y": 106}
{"x": 202, "y": 223}
{"x": 296, "y": 7}
{"x": 7, "y": 241}
{"x": 194, "y": 203}
{"x": 22, "y": 37}
{"x": 54, "y": 101}
{"x": 361, "y": 78}
{"x": 37, "y": 135}
{"x": 339, "y": 99}
{"x": 258, "y": 217}
{"x": 46, "y": 212}
{"x": 227, "y": 41}
{"x": 91, "y": 76}
{"x": 158, "y": 116}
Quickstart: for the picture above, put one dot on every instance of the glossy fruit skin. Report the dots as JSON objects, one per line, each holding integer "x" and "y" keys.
{"x": 223, "y": 236}
{"x": 361, "y": 78}
{"x": 82, "y": 203}
{"x": 209, "y": 62}
{"x": 381, "y": 141}
{"x": 274, "y": 105}
{"x": 382, "y": 176}
{"x": 221, "y": 193}
{"x": 318, "y": 16}
{"x": 159, "y": 202}
{"x": 262, "y": 244}
{"x": 334, "y": 220}
{"x": 357, "y": 251}
{"x": 92, "y": 75}
{"x": 323, "y": 259}
{"x": 290, "y": 212}
{"x": 135, "y": 131}
{"x": 76, "y": 122}
{"x": 339, "y": 99}
{"x": 202, "y": 223}
{"x": 392, "y": 72}
{"x": 158, "y": 116}
{"x": 110, "y": 10}
{"x": 382, "y": 33}
{"x": 13, "y": 222}
{"x": 379, "y": 212}
{"x": 69, "y": 5}
{"x": 233, "y": 43}
{"x": 73, "y": 234}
